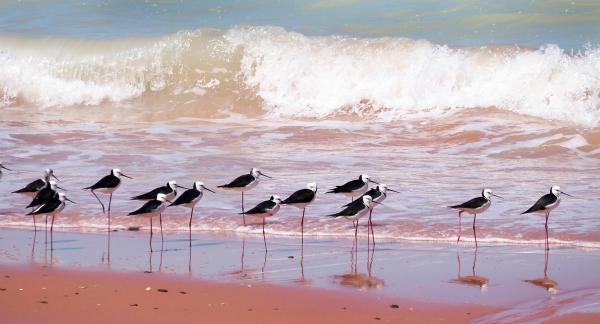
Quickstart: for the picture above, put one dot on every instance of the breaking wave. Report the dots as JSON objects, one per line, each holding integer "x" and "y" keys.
{"x": 267, "y": 70}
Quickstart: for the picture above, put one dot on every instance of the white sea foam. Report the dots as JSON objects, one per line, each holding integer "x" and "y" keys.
{"x": 300, "y": 76}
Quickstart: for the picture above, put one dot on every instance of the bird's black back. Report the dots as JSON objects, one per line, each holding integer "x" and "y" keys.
{"x": 373, "y": 192}
{"x": 148, "y": 207}
{"x": 299, "y": 197}
{"x": 33, "y": 186}
{"x": 351, "y": 210}
{"x": 348, "y": 186}
{"x": 48, "y": 207}
{"x": 42, "y": 197}
{"x": 152, "y": 194}
{"x": 186, "y": 197}
{"x": 239, "y": 182}
{"x": 473, "y": 203}
{"x": 545, "y": 200}
{"x": 109, "y": 181}
{"x": 262, "y": 207}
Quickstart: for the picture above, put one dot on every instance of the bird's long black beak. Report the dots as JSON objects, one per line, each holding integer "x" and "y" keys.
{"x": 497, "y": 196}
{"x": 378, "y": 203}
{"x": 566, "y": 194}
{"x": 167, "y": 200}
{"x": 70, "y": 200}
{"x": 59, "y": 187}
{"x": 208, "y": 189}
{"x": 126, "y": 176}
{"x": 264, "y": 175}
{"x": 373, "y": 181}
{"x": 392, "y": 190}
{"x": 182, "y": 187}
{"x": 5, "y": 168}
{"x": 53, "y": 176}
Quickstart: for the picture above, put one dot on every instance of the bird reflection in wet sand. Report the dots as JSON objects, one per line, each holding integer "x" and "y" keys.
{"x": 545, "y": 282}
{"x": 474, "y": 279}
{"x": 356, "y": 279}
{"x": 243, "y": 272}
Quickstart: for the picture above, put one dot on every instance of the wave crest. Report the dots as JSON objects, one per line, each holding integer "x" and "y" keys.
{"x": 254, "y": 70}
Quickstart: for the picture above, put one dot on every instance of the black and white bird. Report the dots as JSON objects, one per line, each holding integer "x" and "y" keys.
{"x": 107, "y": 185}
{"x": 190, "y": 198}
{"x": 152, "y": 208}
{"x": 33, "y": 187}
{"x": 169, "y": 190}
{"x": 301, "y": 199}
{"x": 546, "y": 204}
{"x": 474, "y": 206}
{"x": 47, "y": 193}
{"x": 3, "y": 167}
{"x": 355, "y": 211}
{"x": 244, "y": 183}
{"x": 378, "y": 194}
{"x": 354, "y": 188}
{"x": 266, "y": 209}
{"x": 52, "y": 207}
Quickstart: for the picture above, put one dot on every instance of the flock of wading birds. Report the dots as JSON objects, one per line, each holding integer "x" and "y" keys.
{"x": 49, "y": 202}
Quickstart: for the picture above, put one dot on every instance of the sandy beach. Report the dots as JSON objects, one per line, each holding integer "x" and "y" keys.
{"x": 466, "y": 133}
{"x": 231, "y": 278}
{"x": 42, "y": 294}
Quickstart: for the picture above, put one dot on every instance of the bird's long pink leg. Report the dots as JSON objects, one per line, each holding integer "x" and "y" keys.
{"x": 459, "y": 225}
{"x": 264, "y": 236}
{"x": 190, "y": 225}
{"x": 474, "y": 231}
{"x": 109, "y": 203}
{"x": 243, "y": 211}
{"x": 150, "y": 233}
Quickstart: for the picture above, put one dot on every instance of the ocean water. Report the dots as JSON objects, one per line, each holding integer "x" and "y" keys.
{"x": 436, "y": 100}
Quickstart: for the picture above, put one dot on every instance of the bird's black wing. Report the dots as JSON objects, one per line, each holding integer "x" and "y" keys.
{"x": 348, "y": 186}
{"x": 373, "y": 192}
{"x": 42, "y": 197}
{"x": 148, "y": 207}
{"x": 351, "y": 210}
{"x": 473, "y": 203}
{"x": 109, "y": 181}
{"x": 47, "y": 208}
{"x": 152, "y": 194}
{"x": 239, "y": 182}
{"x": 262, "y": 207}
{"x": 186, "y": 197}
{"x": 541, "y": 204}
{"x": 299, "y": 197}
{"x": 34, "y": 186}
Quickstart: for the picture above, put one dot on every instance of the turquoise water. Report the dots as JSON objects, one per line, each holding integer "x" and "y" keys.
{"x": 569, "y": 24}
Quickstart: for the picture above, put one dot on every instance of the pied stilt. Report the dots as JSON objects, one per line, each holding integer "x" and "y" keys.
{"x": 189, "y": 199}
{"x": 152, "y": 208}
{"x": 33, "y": 187}
{"x": 546, "y": 204}
{"x": 474, "y": 206}
{"x": 244, "y": 183}
{"x": 52, "y": 207}
{"x": 379, "y": 193}
{"x": 266, "y": 209}
{"x": 301, "y": 199}
{"x": 355, "y": 211}
{"x": 107, "y": 185}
